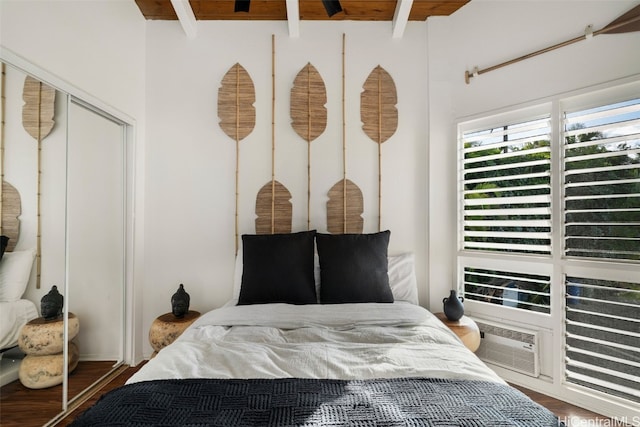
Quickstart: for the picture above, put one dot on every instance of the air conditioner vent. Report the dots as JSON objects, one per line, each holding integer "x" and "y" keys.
{"x": 509, "y": 347}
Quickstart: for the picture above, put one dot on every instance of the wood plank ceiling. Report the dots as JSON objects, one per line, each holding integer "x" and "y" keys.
{"x": 354, "y": 10}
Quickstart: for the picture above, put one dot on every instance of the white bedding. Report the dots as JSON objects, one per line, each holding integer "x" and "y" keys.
{"x": 14, "y": 315}
{"x": 342, "y": 341}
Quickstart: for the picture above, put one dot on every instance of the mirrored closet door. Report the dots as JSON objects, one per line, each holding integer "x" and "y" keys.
{"x": 74, "y": 222}
{"x": 95, "y": 238}
{"x": 33, "y": 206}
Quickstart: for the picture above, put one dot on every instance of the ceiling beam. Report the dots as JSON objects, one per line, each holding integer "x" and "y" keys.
{"x": 186, "y": 17}
{"x": 293, "y": 18}
{"x": 400, "y": 18}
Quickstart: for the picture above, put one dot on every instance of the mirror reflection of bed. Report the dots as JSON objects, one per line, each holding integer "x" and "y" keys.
{"x": 15, "y": 270}
{"x": 76, "y": 222}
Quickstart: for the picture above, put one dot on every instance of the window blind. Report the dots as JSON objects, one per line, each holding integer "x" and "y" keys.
{"x": 507, "y": 194}
{"x": 602, "y": 181}
{"x": 603, "y": 336}
{"x": 508, "y": 288}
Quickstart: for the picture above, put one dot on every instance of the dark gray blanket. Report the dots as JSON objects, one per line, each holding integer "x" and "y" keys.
{"x": 311, "y": 402}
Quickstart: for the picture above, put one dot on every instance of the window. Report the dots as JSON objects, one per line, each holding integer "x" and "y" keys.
{"x": 507, "y": 196}
{"x": 602, "y": 181}
{"x": 527, "y": 291}
{"x": 602, "y": 221}
{"x": 603, "y": 336}
{"x": 549, "y": 204}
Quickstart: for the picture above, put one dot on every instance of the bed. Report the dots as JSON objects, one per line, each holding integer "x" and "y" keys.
{"x": 13, "y": 316}
{"x": 318, "y": 345}
{"x": 15, "y": 270}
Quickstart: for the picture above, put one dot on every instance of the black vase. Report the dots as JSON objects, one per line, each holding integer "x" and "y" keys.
{"x": 453, "y": 307}
{"x": 180, "y": 302}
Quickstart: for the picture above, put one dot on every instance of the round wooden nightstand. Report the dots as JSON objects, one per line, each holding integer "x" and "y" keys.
{"x": 43, "y": 343}
{"x": 166, "y": 328}
{"x": 465, "y": 328}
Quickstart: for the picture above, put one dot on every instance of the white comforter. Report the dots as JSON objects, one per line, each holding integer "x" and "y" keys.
{"x": 342, "y": 341}
{"x": 13, "y": 316}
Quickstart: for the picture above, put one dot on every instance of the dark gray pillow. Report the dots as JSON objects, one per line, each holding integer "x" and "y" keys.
{"x": 4, "y": 241}
{"x": 353, "y": 268}
{"x": 278, "y": 268}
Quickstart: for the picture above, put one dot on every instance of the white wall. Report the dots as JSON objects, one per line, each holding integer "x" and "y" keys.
{"x": 94, "y": 49}
{"x": 191, "y": 162}
{"x": 97, "y": 46}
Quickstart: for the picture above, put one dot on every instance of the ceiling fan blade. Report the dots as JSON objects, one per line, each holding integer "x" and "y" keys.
{"x": 242, "y": 6}
{"x": 626, "y": 23}
{"x": 332, "y": 7}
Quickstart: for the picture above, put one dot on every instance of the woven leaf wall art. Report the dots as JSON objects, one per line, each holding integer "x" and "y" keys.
{"x": 237, "y": 114}
{"x": 37, "y": 119}
{"x": 11, "y": 210}
{"x": 39, "y": 107}
{"x": 345, "y": 205}
{"x": 379, "y": 115}
{"x": 308, "y": 114}
{"x": 345, "y": 208}
{"x": 273, "y": 209}
{"x": 274, "y": 212}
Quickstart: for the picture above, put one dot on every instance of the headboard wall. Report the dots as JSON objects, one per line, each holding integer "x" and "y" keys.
{"x": 190, "y": 169}
{"x": 308, "y": 114}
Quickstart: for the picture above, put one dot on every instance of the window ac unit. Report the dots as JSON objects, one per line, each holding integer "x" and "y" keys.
{"x": 511, "y": 348}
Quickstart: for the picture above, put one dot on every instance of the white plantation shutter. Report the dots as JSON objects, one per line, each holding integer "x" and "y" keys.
{"x": 513, "y": 289}
{"x": 602, "y": 341}
{"x": 602, "y": 181}
{"x": 505, "y": 214}
{"x": 507, "y": 195}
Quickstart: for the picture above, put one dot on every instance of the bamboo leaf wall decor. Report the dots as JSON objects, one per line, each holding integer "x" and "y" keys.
{"x": 237, "y": 114}
{"x": 273, "y": 209}
{"x": 379, "y": 115}
{"x": 308, "y": 114}
{"x": 37, "y": 119}
{"x": 38, "y": 109}
{"x": 236, "y": 97}
{"x": 308, "y": 99}
{"x": 11, "y": 211}
{"x": 345, "y": 205}
{"x": 274, "y": 212}
{"x": 345, "y": 208}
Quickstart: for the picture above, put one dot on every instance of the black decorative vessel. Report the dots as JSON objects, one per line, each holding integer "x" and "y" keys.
{"x": 180, "y": 302}
{"x": 453, "y": 307}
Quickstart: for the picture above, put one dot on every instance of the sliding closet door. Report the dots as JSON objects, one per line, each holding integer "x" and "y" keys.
{"x": 96, "y": 240}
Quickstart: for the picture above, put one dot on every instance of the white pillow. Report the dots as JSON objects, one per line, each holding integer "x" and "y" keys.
{"x": 402, "y": 278}
{"x": 15, "y": 270}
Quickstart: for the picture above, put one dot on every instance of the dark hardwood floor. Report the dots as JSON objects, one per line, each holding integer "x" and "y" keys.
{"x": 31, "y": 407}
{"x": 24, "y": 407}
{"x": 572, "y": 416}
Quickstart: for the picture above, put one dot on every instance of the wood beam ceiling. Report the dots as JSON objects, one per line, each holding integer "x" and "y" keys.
{"x": 355, "y": 10}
